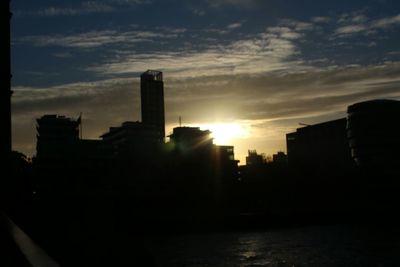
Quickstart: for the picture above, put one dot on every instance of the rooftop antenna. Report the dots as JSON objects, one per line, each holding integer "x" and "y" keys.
{"x": 180, "y": 121}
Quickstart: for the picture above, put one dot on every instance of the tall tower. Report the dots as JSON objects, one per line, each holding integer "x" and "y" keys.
{"x": 152, "y": 99}
{"x": 5, "y": 88}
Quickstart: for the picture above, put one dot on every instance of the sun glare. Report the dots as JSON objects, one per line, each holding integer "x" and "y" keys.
{"x": 225, "y": 133}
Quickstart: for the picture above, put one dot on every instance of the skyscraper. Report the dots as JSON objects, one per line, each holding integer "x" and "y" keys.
{"x": 152, "y": 100}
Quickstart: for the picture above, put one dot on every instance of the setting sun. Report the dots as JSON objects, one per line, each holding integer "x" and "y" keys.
{"x": 225, "y": 133}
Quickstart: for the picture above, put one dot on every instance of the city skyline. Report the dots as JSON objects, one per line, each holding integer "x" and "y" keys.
{"x": 253, "y": 69}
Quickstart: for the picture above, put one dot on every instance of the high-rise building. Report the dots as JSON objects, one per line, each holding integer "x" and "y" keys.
{"x": 152, "y": 100}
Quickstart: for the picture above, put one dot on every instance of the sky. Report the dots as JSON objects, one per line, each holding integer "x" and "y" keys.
{"x": 248, "y": 70}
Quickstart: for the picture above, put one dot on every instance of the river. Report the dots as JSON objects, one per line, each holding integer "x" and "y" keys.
{"x": 337, "y": 245}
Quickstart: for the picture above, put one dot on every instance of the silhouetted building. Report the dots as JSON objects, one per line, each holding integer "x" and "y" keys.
{"x": 319, "y": 146}
{"x": 189, "y": 139}
{"x": 224, "y": 158}
{"x": 373, "y": 132}
{"x": 57, "y": 136}
{"x": 133, "y": 139}
{"x": 225, "y": 152}
{"x": 254, "y": 159}
{"x": 152, "y": 100}
{"x": 279, "y": 158}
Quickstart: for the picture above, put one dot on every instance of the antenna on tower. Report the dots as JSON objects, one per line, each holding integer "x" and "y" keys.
{"x": 180, "y": 121}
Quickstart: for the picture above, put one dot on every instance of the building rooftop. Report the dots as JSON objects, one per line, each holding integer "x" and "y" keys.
{"x": 153, "y": 75}
{"x": 376, "y": 104}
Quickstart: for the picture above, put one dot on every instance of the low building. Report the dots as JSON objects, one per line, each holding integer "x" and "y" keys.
{"x": 254, "y": 159}
{"x": 57, "y": 136}
{"x": 279, "y": 158}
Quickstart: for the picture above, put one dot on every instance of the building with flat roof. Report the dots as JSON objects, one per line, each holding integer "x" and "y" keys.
{"x": 279, "y": 158}
{"x": 188, "y": 139}
{"x": 132, "y": 139}
{"x": 320, "y": 145}
{"x": 57, "y": 136}
{"x": 254, "y": 159}
{"x": 152, "y": 100}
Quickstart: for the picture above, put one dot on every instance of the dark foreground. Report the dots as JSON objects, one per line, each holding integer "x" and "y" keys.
{"x": 332, "y": 245}
{"x": 354, "y": 244}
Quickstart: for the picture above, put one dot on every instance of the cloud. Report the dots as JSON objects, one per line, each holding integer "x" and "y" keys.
{"x": 349, "y": 29}
{"x": 243, "y": 56}
{"x": 386, "y": 22}
{"x": 299, "y": 26}
{"x": 234, "y": 26}
{"x": 85, "y": 8}
{"x": 94, "y": 39}
{"x": 285, "y": 32}
{"x": 321, "y": 19}
{"x": 271, "y": 50}
{"x": 359, "y": 23}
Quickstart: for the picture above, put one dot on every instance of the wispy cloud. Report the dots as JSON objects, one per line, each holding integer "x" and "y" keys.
{"x": 386, "y": 22}
{"x": 87, "y": 7}
{"x": 234, "y": 25}
{"x": 359, "y": 23}
{"x": 267, "y": 51}
{"x": 99, "y": 38}
{"x": 84, "y": 8}
{"x": 296, "y": 25}
{"x": 349, "y": 29}
{"x": 320, "y": 19}
{"x": 284, "y": 32}
{"x": 271, "y": 50}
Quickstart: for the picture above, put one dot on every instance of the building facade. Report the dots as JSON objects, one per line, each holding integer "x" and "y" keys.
{"x": 57, "y": 136}
{"x": 152, "y": 100}
{"x": 373, "y": 133}
{"x": 322, "y": 145}
{"x": 254, "y": 159}
{"x": 132, "y": 139}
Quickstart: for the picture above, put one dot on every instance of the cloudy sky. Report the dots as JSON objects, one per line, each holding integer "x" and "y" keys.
{"x": 251, "y": 70}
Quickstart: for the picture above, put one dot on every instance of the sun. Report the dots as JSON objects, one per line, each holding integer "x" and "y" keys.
{"x": 225, "y": 133}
